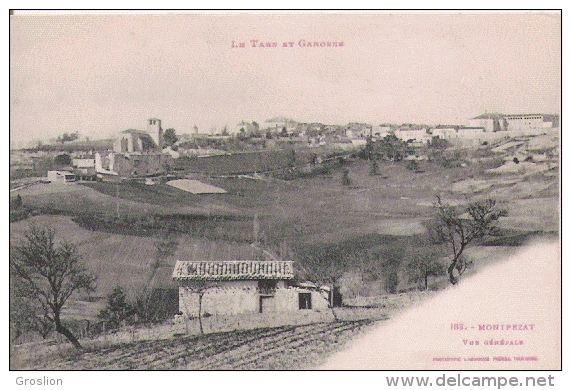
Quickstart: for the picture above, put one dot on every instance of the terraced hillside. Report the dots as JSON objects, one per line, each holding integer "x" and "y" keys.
{"x": 284, "y": 348}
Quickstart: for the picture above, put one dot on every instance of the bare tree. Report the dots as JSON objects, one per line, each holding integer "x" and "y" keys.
{"x": 423, "y": 265}
{"x": 26, "y": 315}
{"x": 200, "y": 287}
{"x": 458, "y": 229}
{"x": 326, "y": 269}
{"x": 50, "y": 274}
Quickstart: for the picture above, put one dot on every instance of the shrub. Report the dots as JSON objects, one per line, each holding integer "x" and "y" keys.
{"x": 411, "y": 165}
{"x": 374, "y": 168}
{"x": 392, "y": 282}
{"x": 118, "y": 308}
{"x": 345, "y": 180}
{"x": 156, "y": 305}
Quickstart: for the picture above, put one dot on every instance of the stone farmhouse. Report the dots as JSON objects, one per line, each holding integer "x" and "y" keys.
{"x": 244, "y": 286}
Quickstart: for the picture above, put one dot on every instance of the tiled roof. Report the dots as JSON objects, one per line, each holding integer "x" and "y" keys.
{"x": 232, "y": 270}
{"x": 135, "y": 131}
{"x": 489, "y": 116}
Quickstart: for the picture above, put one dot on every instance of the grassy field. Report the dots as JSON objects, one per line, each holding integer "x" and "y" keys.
{"x": 118, "y": 222}
{"x": 237, "y": 163}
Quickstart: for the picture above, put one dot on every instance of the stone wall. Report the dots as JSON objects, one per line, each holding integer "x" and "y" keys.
{"x": 242, "y": 297}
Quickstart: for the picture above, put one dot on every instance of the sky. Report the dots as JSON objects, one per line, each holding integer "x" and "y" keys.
{"x": 101, "y": 74}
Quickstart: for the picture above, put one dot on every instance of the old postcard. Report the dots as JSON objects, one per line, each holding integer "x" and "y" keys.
{"x": 285, "y": 191}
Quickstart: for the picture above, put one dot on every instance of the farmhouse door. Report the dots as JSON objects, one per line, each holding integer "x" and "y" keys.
{"x": 267, "y": 304}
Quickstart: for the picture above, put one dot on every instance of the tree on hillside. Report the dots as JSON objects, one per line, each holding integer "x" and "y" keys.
{"x": 370, "y": 155}
{"x": 26, "y": 314}
{"x": 392, "y": 148}
{"x": 412, "y": 165}
{"x": 49, "y": 274}
{"x": 458, "y": 228}
{"x": 68, "y": 137}
{"x": 421, "y": 266}
{"x": 437, "y": 143}
{"x": 63, "y": 159}
{"x": 325, "y": 269}
{"x": 291, "y": 158}
{"x": 170, "y": 137}
{"x": 200, "y": 287}
{"x": 17, "y": 202}
{"x": 166, "y": 246}
{"x": 374, "y": 168}
{"x": 369, "y": 148}
{"x": 386, "y": 263}
{"x": 117, "y": 309}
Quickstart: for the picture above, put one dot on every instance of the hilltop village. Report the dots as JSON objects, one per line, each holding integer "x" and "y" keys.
{"x": 140, "y": 153}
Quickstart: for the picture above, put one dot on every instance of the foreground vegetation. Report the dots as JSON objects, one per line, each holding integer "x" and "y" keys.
{"x": 281, "y": 348}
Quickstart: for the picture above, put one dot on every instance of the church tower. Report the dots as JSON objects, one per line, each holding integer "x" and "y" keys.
{"x": 156, "y": 131}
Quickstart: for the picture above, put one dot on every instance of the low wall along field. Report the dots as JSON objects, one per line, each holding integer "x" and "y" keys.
{"x": 238, "y": 163}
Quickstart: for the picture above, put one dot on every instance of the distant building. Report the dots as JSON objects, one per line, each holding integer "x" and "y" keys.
{"x": 531, "y": 121}
{"x": 130, "y": 141}
{"x": 84, "y": 167}
{"x": 516, "y": 124}
{"x": 491, "y": 122}
{"x": 462, "y": 135}
{"x": 60, "y": 177}
{"x": 136, "y": 153}
{"x": 358, "y": 130}
{"x": 155, "y": 129}
{"x": 471, "y": 132}
{"x": 277, "y": 124}
{"x": 382, "y": 130}
{"x": 418, "y": 134}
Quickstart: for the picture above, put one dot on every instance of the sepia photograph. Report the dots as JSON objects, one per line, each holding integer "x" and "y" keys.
{"x": 284, "y": 190}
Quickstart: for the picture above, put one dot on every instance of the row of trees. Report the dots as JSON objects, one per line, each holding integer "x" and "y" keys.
{"x": 391, "y": 148}
{"x": 450, "y": 232}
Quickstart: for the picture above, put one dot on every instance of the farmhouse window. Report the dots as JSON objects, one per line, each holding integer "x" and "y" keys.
{"x": 267, "y": 286}
{"x": 304, "y": 301}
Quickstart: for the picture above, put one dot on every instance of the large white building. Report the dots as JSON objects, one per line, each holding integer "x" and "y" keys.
{"x": 413, "y": 134}
{"x": 518, "y": 123}
{"x": 531, "y": 121}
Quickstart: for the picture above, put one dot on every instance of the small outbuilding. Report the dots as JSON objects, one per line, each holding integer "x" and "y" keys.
{"x": 60, "y": 177}
{"x": 243, "y": 286}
